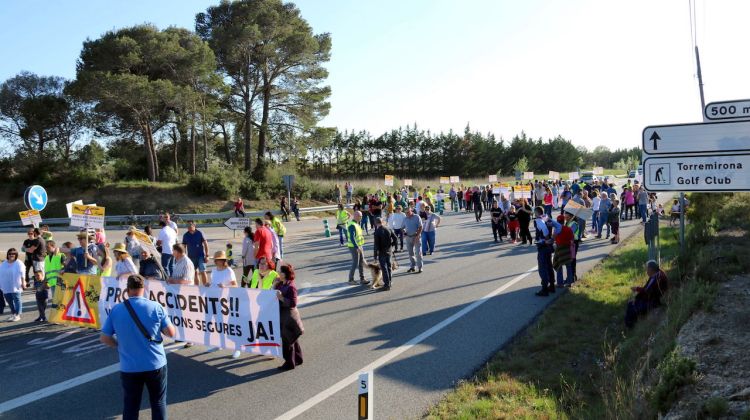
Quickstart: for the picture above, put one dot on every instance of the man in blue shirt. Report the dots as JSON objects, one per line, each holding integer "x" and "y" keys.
{"x": 197, "y": 250}
{"x": 85, "y": 255}
{"x": 142, "y": 360}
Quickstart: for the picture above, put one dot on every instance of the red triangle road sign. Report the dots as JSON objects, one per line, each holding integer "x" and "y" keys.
{"x": 77, "y": 308}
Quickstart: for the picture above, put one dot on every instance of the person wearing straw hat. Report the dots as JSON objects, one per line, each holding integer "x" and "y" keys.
{"x": 124, "y": 266}
{"x": 222, "y": 276}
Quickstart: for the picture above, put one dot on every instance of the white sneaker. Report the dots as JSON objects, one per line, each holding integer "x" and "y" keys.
{"x": 16, "y": 318}
{"x": 236, "y": 354}
{"x": 10, "y": 318}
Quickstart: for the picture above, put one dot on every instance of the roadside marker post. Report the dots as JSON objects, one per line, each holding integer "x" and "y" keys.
{"x": 365, "y": 396}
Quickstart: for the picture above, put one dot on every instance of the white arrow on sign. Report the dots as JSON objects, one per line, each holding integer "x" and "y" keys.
{"x": 732, "y": 136}
{"x": 727, "y": 110}
{"x": 37, "y": 197}
{"x": 237, "y": 223}
{"x": 708, "y": 173}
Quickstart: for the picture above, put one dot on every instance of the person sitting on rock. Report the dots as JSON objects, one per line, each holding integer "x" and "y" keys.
{"x": 647, "y": 297}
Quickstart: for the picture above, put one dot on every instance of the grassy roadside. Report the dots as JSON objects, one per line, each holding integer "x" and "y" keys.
{"x": 578, "y": 360}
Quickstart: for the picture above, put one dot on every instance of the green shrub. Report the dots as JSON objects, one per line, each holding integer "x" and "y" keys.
{"x": 252, "y": 190}
{"x": 675, "y": 372}
{"x": 219, "y": 181}
{"x": 715, "y": 408}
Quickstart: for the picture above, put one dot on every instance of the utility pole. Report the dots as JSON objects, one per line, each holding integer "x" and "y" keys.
{"x": 703, "y": 106}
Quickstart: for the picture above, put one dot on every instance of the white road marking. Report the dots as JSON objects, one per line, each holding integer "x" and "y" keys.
{"x": 323, "y": 395}
{"x": 66, "y": 385}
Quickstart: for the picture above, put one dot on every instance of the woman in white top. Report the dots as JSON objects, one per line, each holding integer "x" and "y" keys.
{"x": 124, "y": 266}
{"x": 396, "y": 222}
{"x": 223, "y": 275}
{"x": 11, "y": 284}
{"x": 595, "y": 200}
{"x": 248, "y": 256}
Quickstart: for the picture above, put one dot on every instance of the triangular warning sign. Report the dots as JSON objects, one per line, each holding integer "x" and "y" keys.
{"x": 77, "y": 308}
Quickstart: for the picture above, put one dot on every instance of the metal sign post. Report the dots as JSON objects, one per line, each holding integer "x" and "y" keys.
{"x": 289, "y": 182}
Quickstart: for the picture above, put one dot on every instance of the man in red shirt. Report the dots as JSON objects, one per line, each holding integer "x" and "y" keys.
{"x": 262, "y": 241}
{"x": 564, "y": 253}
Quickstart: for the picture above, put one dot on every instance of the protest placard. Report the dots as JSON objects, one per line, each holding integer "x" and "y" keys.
{"x": 445, "y": 180}
{"x": 455, "y": 179}
{"x": 528, "y": 175}
{"x": 407, "y": 182}
{"x": 492, "y": 178}
{"x": 389, "y": 180}
{"x": 86, "y": 216}
{"x": 77, "y": 300}
{"x": 30, "y": 218}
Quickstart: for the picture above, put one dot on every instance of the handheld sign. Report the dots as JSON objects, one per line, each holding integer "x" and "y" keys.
{"x": 364, "y": 396}
{"x": 87, "y": 216}
{"x": 445, "y": 180}
{"x": 455, "y": 179}
{"x": 35, "y": 198}
{"x": 492, "y": 178}
{"x": 407, "y": 182}
{"x": 30, "y": 217}
{"x": 528, "y": 175}
{"x": 389, "y": 180}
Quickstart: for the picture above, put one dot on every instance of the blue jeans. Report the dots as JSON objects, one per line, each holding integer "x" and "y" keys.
{"x": 595, "y": 221}
{"x": 385, "y": 268}
{"x": 569, "y": 269}
{"x": 167, "y": 262}
{"x": 363, "y": 223}
{"x": 428, "y": 242}
{"x": 544, "y": 265}
{"x": 281, "y": 246}
{"x": 156, "y": 384}
{"x": 548, "y": 210}
{"x": 341, "y": 234}
{"x": 603, "y": 222}
{"x": 14, "y": 302}
{"x": 642, "y": 209}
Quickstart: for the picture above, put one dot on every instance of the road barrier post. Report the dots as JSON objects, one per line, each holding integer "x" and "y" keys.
{"x": 327, "y": 231}
{"x": 365, "y": 396}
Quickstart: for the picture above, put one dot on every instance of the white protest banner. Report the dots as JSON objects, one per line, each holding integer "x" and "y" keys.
{"x": 528, "y": 175}
{"x": 554, "y": 175}
{"x": 573, "y": 176}
{"x": 231, "y": 318}
{"x": 87, "y": 216}
{"x": 492, "y": 178}
{"x": 30, "y": 218}
{"x": 407, "y": 182}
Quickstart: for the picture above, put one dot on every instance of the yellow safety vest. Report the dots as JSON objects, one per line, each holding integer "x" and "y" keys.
{"x": 359, "y": 238}
{"x": 342, "y": 216}
{"x": 267, "y": 280}
{"x": 278, "y": 226}
{"x": 53, "y": 263}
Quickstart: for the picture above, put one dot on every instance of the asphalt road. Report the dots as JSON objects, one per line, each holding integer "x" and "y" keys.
{"x": 427, "y": 333}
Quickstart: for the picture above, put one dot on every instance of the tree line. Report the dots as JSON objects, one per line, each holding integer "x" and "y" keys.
{"x": 244, "y": 88}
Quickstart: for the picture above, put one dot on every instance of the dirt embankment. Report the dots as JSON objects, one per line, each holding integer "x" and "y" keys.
{"x": 718, "y": 341}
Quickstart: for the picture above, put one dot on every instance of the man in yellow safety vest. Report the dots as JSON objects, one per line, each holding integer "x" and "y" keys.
{"x": 53, "y": 266}
{"x": 279, "y": 228}
{"x": 355, "y": 241}
{"x": 342, "y": 218}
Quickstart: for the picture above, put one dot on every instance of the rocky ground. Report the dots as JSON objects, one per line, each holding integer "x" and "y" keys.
{"x": 719, "y": 342}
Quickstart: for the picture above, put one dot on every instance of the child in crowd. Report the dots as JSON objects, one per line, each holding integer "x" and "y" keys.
{"x": 42, "y": 294}
{"x": 230, "y": 259}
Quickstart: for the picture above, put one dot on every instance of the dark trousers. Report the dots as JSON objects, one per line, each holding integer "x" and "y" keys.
{"x": 156, "y": 384}
{"x": 41, "y": 303}
{"x": 478, "y": 211}
{"x": 239, "y": 213}
{"x": 573, "y": 264}
{"x": 525, "y": 233}
{"x": 385, "y": 268}
{"x": 400, "y": 234}
{"x": 2, "y": 303}
{"x": 498, "y": 230}
{"x": 544, "y": 266}
{"x": 635, "y": 309}
{"x": 292, "y": 353}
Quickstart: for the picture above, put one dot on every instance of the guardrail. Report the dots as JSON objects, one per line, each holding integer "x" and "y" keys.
{"x": 141, "y": 219}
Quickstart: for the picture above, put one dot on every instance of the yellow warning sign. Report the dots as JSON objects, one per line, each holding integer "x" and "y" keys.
{"x": 77, "y": 300}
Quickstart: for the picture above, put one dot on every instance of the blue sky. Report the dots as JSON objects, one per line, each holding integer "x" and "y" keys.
{"x": 593, "y": 71}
